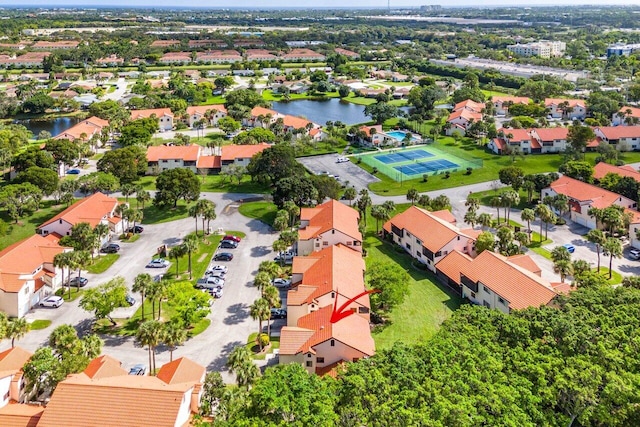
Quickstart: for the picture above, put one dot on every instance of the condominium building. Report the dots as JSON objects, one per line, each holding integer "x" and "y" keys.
{"x": 542, "y": 48}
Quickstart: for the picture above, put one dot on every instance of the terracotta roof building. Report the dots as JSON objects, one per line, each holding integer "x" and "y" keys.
{"x": 321, "y": 278}
{"x": 576, "y": 108}
{"x": 165, "y": 43}
{"x": 583, "y": 196}
{"x": 326, "y": 225}
{"x": 240, "y": 155}
{"x": 84, "y": 130}
{"x": 45, "y": 45}
{"x": 211, "y": 114}
{"x": 625, "y": 138}
{"x": 495, "y": 281}
{"x": 176, "y": 58}
{"x": 502, "y": 103}
{"x": 259, "y": 55}
{"x": 348, "y": 53}
{"x": 317, "y": 343}
{"x": 11, "y": 375}
{"x": 302, "y": 54}
{"x": 95, "y": 209}
{"x": 20, "y": 415}
{"x": 626, "y": 116}
{"x": 427, "y": 236}
{"x": 219, "y": 56}
{"x": 165, "y": 157}
{"x": 164, "y": 116}
{"x": 27, "y": 274}
{"x": 603, "y": 168}
{"x": 165, "y": 400}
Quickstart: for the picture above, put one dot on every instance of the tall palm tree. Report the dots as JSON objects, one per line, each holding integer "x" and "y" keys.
{"x": 510, "y": 198}
{"x": 271, "y": 268}
{"x": 208, "y": 213}
{"x": 471, "y": 218}
{"x": 496, "y": 202}
{"x": 152, "y": 293}
{"x": 563, "y": 267}
{"x": 142, "y": 197}
{"x": 272, "y": 296}
{"x": 141, "y": 284}
{"x": 528, "y": 215}
{"x": 161, "y": 293}
{"x": 260, "y": 311}
{"x": 598, "y": 238}
{"x": 172, "y": 336}
{"x": 380, "y": 213}
{"x": 80, "y": 259}
{"x": 262, "y": 280}
{"x": 176, "y": 252}
{"x": 350, "y": 194}
{"x": 190, "y": 244}
{"x": 16, "y": 329}
{"x": 241, "y": 363}
{"x": 150, "y": 334}
{"x": 194, "y": 212}
{"x": 613, "y": 248}
{"x": 62, "y": 261}
{"x": 484, "y": 219}
{"x": 135, "y": 216}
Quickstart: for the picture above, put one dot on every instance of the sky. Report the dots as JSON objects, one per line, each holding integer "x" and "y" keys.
{"x": 307, "y": 3}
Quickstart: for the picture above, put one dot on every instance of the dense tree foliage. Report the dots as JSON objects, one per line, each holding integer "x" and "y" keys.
{"x": 175, "y": 184}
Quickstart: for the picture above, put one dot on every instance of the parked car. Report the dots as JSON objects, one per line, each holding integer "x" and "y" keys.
{"x": 278, "y": 313}
{"x": 138, "y": 370}
{"x": 79, "y": 282}
{"x": 634, "y": 254}
{"x": 569, "y": 247}
{"x": 215, "y": 273}
{"x": 223, "y": 256}
{"x": 111, "y": 248}
{"x": 228, "y": 244}
{"x": 206, "y": 284}
{"x": 136, "y": 229}
{"x": 73, "y": 172}
{"x": 218, "y": 267}
{"x": 216, "y": 292}
{"x": 281, "y": 283}
{"x": 342, "y": 160}
{"x": 285, "y": 256}
{"x": 215, "y": 281}
{"x": 52, "y": 301}
{"x": 130, "y": 300}
{"x": 158, "y": 263}
{"x": 232, "y": 237}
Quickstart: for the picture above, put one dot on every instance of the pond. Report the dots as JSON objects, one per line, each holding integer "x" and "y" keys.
{"x": 322, "y": 111}
{"x": 54, "y": 125}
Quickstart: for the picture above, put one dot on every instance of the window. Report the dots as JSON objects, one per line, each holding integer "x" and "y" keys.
{"x": 309, "y": 364}
{"x": 349, "y": 243}
{"x": 309, "y": 355}
{"x": 325, "y": 243}
{"x": 419, "y": 254}
{"x": 60, "y": 222}
{"x": 418, "y": 242}
{"x": 333, "y": 295}
{"x": 458, "y": 237}
{"x": 333, "y": 231}
{"x": 473, "y": 294}
{"x": 317, "y": 244}
{"x": 320, "y": 360}
{"x": 487, "y": 290}
{"x": 333, "y": 343}
{"x": 363, "y": 310}
{"x": 437, "y": 254}
{"x": 501, "y": 301}
{"x": 408, "y": 246}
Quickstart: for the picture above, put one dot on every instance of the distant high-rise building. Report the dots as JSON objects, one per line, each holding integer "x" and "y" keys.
{"x": 622, "y": 49}
{"x": 430, "y": 7}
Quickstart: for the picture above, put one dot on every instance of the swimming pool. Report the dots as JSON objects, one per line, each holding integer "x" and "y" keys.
{"x": 399, "y": 135}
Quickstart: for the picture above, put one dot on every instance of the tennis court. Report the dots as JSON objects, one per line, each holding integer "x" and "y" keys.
{"x": 426, "y": 167}
{"x": 412, "y": 162}
{"x": 402, "y": 156}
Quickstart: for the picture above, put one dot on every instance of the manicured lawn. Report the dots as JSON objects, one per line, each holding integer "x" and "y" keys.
{"x": 102, "y": 263}
{"x": 427, "y": 304}
{"x": 255, "y": 349}
{"x": 223, "y": 184}
{"x": 264, "y": 211}
{"x": 26, "y": 226}
{"x": 39, "y": 324}
{"x": 155, "y": 215}
{"x": 216, "y": 99}
{"x": 131, "y": 239}
{"x": 322, "y": 147}
{"x": 616, "y": 277}
{"x": 64, "y": 292}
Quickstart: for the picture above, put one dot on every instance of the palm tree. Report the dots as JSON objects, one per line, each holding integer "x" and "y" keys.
{"x": 293, "y": 210}
{"x": 350, "y": 194}
{"x": 135, "y": 216}
{"x": 496, "y": 202}
{"x": 127, "y": 190}
{"x": 412, "y": 195}
{"x": 190, "y": 244}
{"x": 529, "y": 187}
{"x": 522, "y": 238}
{"x": 80, "y": 259}
{"x": 152, "y": 293}
{"x": 260, "y": 311}
{"x": 62, "y": 260}
{"x": 142, "y": 283}
{"x": 142, "y": 197}
{"x": 208, "y": 214}
{"x": 121, "y": 211}
{"x": 472, "y": 203}
{"x": 194, "y": 212}
{"x": 613, "y": 248}
{"x": 262, "y": 280}
{"x": 271, "y": 268}
{"x": 510, "y": 198}
{"x": 563, "y": 267}
{"x": 484, "y": 219}
{"x": 580, "y": 266}
{"x": 150, "y": 334}
{"x": 380, "y": 213}
{"x": 238, "y": 357}
{"x": 560, "y": 253}
{"x": 280, "y": 246}
{"x": 176, "y": 252}
{"x": 241, "y": 363}
{"x": 528, "y": 215}
{"x": 424, "y": 201}
{"x": 173, "y": 336}
{"x": 16, "y": 329}
{"x": 363, "y": 203}
{"x": 160, "y": 293}
{"x": 272, "y": 296}
{"x": 546, "y": 216}
{"x": 471, "y": 218}
{"x": 598, "y": 238}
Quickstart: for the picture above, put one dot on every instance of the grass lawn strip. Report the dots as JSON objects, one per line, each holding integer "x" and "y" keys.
{"x": 39, "y": 324}
{"x": 102, "y": 263}
{"x": 263, "y": 211}
{"x": 26, "y": 226}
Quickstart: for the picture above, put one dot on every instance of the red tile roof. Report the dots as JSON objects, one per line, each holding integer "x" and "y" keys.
{"x": 143, "y": 114}
{"x": 23, "y": 258}
{"x": 202, "y": 109}
{"x": 517, "y": 134}
{"x": 465, "y": 114}
{"x": 103, "y": 367}
{"x": 602, "y": 168}
{"x": 526, "y": 262}
{"x": 583, "y": 192}
{"x": 14, "y": 359}
{"x": 469, "y": 104}
{"x": 618, "y": 132}
{"x": 189, "y": 153}
{"x": 182, "y": 370}
{"x": 20, "y": 415}
{"x": 635, "y": 112}
{"x": 429, "y": 228}
{"x": 233, "y": 152}
{"x": 209, "y": 162}
{"x": 295, "y": 122}
{"x": 316, "y": 327}
{"x": 572, "y": 102}
{"x": 371, "y": 130}
{"x": 331, "y": 215}
{"x": 513, "y": 99}
{"x": 91, "y": 209}
{"x": 333, "y": 269}
{"x": 551, "y": 134}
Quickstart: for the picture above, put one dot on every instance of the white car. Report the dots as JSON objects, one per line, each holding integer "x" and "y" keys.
{"x": 52, "y": 301}
{"x": 220, "y": 268}
{"x": 634, "y": 254}
{"x": 158, "y": 263}
{"x": 216, "y": 281}
{"x": 215, "y": 273}
{"x": 281, "y": 283}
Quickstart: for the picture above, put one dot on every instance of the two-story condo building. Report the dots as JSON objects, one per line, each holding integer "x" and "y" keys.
{"x": 326, "y": 225}
{"x": 209, "y": 113}
{"x": 163, "y": 115}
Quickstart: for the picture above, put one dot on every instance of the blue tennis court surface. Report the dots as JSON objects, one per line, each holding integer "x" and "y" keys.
{"x": 403, "y": 156}
{"x": 425, "y": 167}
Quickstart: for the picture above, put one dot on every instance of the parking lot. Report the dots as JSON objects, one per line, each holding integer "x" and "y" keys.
{"x": 346, "y": 171}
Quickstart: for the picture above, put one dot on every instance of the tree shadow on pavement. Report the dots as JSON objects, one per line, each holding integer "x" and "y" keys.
{"x": 238, "y": 313}
{"x": 220, "y": 362}
{"x": 260, "y": 251}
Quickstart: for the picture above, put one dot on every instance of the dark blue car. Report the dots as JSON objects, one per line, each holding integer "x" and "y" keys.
{"x": 570, "y": 248}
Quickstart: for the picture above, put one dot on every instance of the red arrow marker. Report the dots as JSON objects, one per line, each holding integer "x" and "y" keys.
{"x": 339, "y": 313}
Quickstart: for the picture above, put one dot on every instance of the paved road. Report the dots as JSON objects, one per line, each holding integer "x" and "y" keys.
{"x": 230, "y": 321}
{"x": 119, "y": 93}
